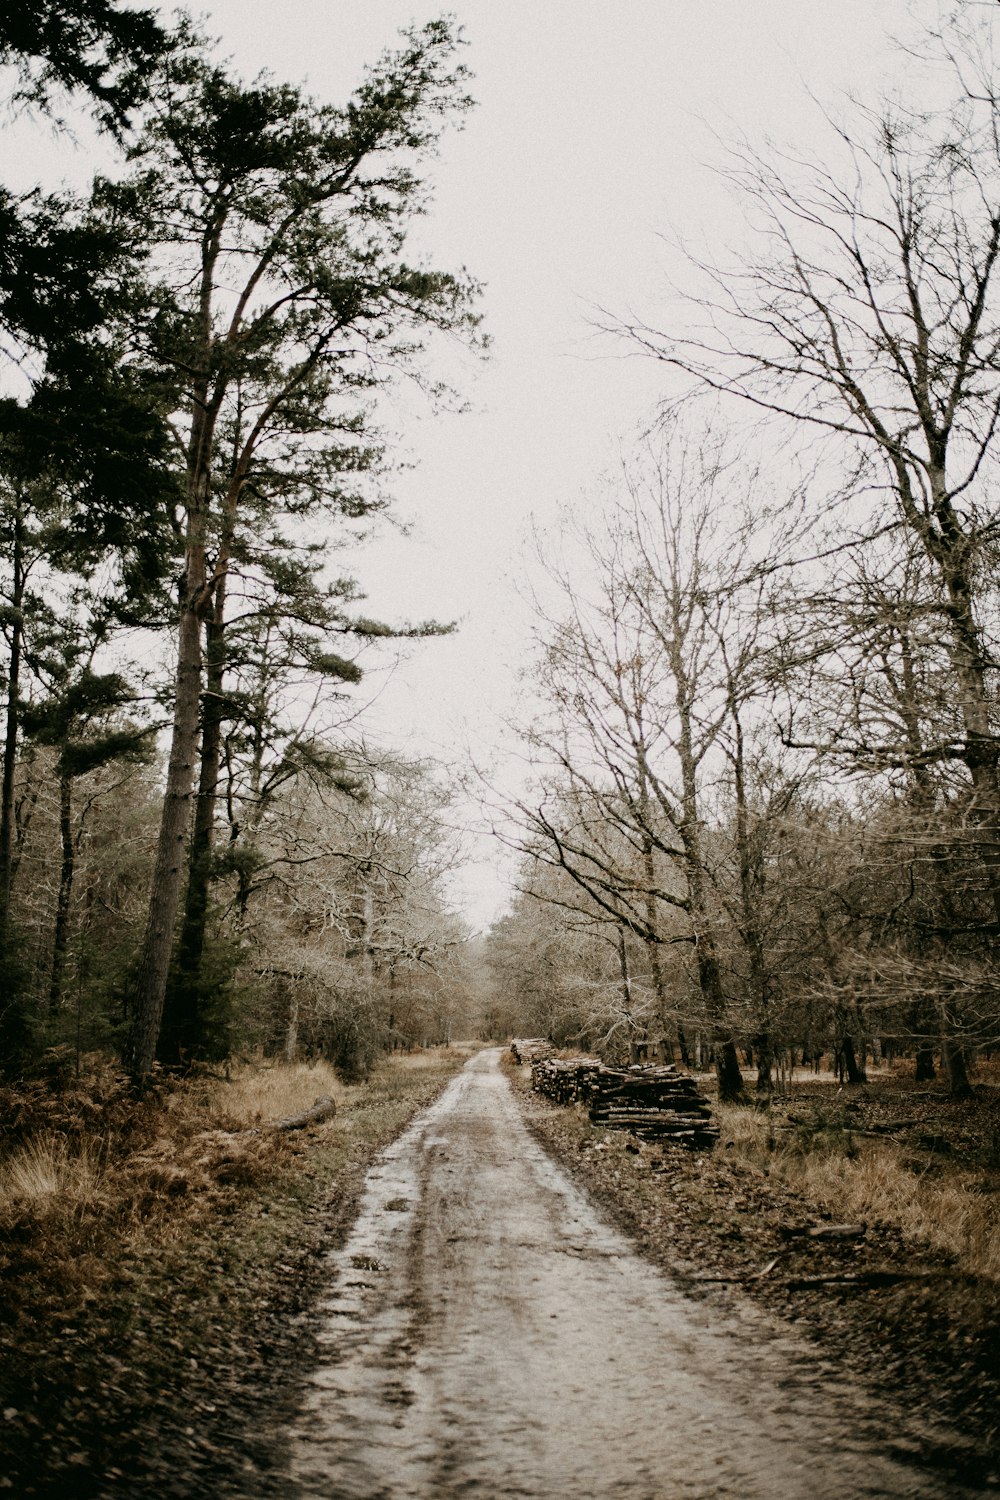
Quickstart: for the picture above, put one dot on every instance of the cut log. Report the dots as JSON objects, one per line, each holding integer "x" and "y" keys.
{"x": 650, "y": 1100}
{"x": 825, "y": 1232}
{"x": 838, "y": 1232}
{"x": 528, "y": 1049}
{"x": 324, "y": 1109}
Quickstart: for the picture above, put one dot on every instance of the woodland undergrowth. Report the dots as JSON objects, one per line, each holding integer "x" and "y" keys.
{"x": 154, "y": 1256}
{"x": 932, "y": 1172}
{"x": 900, "y": 1285}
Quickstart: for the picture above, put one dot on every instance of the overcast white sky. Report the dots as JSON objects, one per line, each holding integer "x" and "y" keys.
{"x": 593, "y": 134}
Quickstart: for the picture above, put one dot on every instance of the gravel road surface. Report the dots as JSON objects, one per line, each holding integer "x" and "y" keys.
{"x": 487, "y": 1334}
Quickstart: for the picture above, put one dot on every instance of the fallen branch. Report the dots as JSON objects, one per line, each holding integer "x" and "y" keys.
{"x": 824, "y": 1232}
{"x": 803, "y": 1283}
{"x": 324, "y": 1109}
{"x": 864, "y": 1278}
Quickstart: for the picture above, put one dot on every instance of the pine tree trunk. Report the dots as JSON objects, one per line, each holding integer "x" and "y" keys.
{"x": 150, "y": 985}
{"x": 12, "y": 723}
{"x": 60, "y": 940}
{"x": 182, "y": 1033}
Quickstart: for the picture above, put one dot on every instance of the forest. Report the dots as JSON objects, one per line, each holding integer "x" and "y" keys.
{"x": 762, "y": 818}
{"x": 762, "y": 822}
{"x": 752, "y": 812}
{"x": 764, "y": 826}
{"x": 199, "y": 853}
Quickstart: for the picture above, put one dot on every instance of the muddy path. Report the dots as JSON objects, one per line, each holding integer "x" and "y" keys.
{"x": 487, "y": 1334}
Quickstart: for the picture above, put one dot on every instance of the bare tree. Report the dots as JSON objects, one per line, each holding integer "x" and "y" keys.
{"x": 649, "y": 674}
{"x": 871, "y": 315}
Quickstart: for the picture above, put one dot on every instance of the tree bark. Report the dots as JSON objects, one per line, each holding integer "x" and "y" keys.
{"x": 727, "y": 1063}
{"x": 60, "y": 940}
{"x": 12, "y": 719}
{"x": 924, "y": 1068}
{"x": 853, "y": 1070}
{"x": 953, "y": 1055}
{"x": 150, "y": 985}
{"x": 182, "y": 1036}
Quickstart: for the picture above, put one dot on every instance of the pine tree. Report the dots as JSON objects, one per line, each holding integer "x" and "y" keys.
{"x": 282, "y": 227}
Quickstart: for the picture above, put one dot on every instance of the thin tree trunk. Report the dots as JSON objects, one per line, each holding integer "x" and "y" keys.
{"x": 750, "y": 896}
{"x": 292, "y": 1027}
{"x": 12, "y": 721}
{"x": 626, "y": 987}
{"x": 60, "y": 941}
{"x": 949, "y": 548}
{"x": 649, "y": 868}
{"x": 182, "y": 1021}
{"x": 727, "y": 1064}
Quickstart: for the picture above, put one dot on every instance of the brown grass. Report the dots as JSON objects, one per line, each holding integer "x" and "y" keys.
{"x": 87, "y": 1150}
{"x": 48, "y": 1176}
{"x": 152, "y": 1252}
{"x": 950, "y": 1208}
{"x": 254, "y": 1094}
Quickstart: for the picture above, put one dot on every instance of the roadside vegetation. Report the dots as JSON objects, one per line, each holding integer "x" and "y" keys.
{"x": 902, "y": 1156}
{"x": 897, "y": 1284}
{"x": 200, "y": 854}
{"x": 158, "y": 1271}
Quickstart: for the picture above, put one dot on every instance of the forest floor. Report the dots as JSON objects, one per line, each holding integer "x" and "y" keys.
{"x": 488, "y": 1332}
{"x": 917, "y": 1321}
{"x": 157, "y": 1295}
{"x": 158, "y": 1300}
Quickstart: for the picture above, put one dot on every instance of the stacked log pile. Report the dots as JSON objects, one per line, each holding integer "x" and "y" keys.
{"x": 565, "y": 1079}
{"x": 652, "y": 1101}
{"x": 528, "y": 1049}
{"x": 655, "y": 1102}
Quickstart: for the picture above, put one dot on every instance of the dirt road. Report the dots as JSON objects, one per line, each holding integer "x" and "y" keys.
{"x": 487, "y": 1334}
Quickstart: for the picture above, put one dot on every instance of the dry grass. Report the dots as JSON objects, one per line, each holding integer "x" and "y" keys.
{"x": 155, "y": 1253}
{"x": 88, "y": 1171}
{"x": 431, "y": 1060}
{"x": 191, "y": 1146}
{"x": 253, "y": 1094}
{"x": 48, "y": 1176}
{"x": 950, "y": 1209}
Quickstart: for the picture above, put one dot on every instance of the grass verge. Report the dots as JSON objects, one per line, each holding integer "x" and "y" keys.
{"x": 908, "y": 1306}
{"x": 160, "y": 1262}
{"x": 937, "y": 1198}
